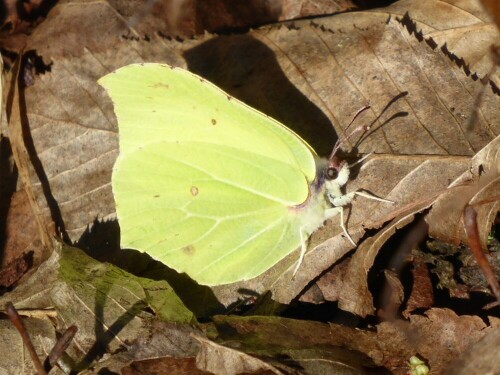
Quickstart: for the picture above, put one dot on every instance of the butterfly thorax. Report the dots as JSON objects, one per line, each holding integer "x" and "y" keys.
{"x": 311, "y": 213}
{"x": 324, "y": 192}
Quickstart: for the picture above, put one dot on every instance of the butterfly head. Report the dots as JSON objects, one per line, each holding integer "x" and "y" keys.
{"x": 337, "y": 171}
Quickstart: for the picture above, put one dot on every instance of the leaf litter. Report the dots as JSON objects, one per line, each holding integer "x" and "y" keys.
{"x": 310, "y": 75}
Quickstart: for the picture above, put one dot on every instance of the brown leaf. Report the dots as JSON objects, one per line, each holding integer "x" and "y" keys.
{"x": 481, "y": 358}
{"x": 355, "y": 297}
{"x": 13, "y": 271}
{"x": 17, "y": 128}
{"x": 329, "y": 286}
{"x": 218, "y": 359}
{"x": 18, "y": 361}
{"x": 393, "y": 296}
{"x": 293, "y": 9}
{"x": 493, "y": 7}
{"x": 480, "y": 181}
{"x": 164, "y": 365}
{"x": 156, "y": 342}
{"x": 422, "y": 295}
{"x": 278, "y": 338}
{"x": 439, "y": 337}
{"x": 21, "y": 232}
{"x": 188, "y": 18}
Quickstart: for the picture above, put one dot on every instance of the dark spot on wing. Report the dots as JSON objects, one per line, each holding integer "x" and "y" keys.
{"x": 156, "y": 196}
{"x": 214, "y": 121}
{"x": 194, "y": 191}
{"x": 189, "y": 250}
{"x": 160, "y": 85}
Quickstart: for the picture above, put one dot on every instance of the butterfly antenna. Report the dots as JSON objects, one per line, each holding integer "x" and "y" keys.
{"x": 361, "y": 128}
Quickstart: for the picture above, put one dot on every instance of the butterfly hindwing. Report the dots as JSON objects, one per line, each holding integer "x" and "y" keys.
{"x": 217, "y": 221}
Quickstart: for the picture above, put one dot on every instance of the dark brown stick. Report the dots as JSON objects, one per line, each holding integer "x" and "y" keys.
{"x": 61, "y": 345}
{"x": 470, "y": 223}
{"x": 18, "y": 323}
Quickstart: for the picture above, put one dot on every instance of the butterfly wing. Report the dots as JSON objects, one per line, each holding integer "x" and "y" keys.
{"x": 217, "y": 213}
{"x": 203, "y": 182}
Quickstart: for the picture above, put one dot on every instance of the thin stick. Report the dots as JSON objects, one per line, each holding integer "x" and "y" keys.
{"x": 61, "y": 345}
{"x": 470, "y": 224}
{"x": 18, "y": 323}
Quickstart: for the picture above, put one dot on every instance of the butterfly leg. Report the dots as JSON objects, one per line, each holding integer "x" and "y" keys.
{"x": 303, "y": 249}
{"x": 370, "y": 196}
{"x": 331, "y": 212}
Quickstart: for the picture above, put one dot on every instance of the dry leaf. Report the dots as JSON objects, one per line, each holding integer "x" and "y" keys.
{"x": 108, "y": 305}
{"x": 439, "y": 337}
{"x": 18, "y": 361}
{"x": 482, "y": 358}
{"x": 21, "y": 232}
{"x": 218, "y": 359}
{"x": 480, "y": 181}
{"x": 422, "y": 295}
{"x": 164, "y": 365}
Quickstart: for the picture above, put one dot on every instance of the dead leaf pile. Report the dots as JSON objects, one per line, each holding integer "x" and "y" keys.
{"x": 409, "y": 288}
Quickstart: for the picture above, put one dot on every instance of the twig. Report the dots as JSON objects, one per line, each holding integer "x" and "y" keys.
{"x": 18, "y": 323}
{"x": 470, "y": 224}
{"x": 61, "y": 345}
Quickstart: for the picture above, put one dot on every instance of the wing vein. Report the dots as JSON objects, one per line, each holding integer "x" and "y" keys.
{"x": 254, "y": 236}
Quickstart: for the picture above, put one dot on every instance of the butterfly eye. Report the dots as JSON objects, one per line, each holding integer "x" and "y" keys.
{"x": 332, "y": 173}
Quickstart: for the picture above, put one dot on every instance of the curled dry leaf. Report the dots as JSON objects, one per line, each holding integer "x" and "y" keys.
{"x": 446, "y": 205}
{"x": 480, "y": 181}
{"x": 410, "y": 176}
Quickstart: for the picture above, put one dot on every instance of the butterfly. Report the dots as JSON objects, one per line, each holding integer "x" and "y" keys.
{"x": 210, "y": 186}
